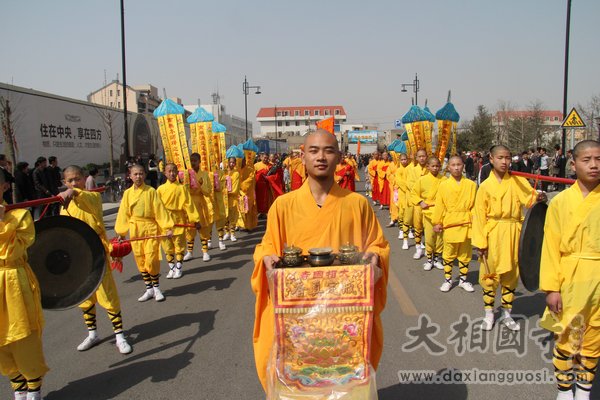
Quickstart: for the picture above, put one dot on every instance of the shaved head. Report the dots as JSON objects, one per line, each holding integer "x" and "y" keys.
{"x": 321, "y": 133}
{"x": 499, "y": 147}
{"x": 584, "y": 145}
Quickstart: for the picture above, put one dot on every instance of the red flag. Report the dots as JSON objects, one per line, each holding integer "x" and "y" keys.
{"x": 326, "y": 124}
{"x": 358, "y": 148}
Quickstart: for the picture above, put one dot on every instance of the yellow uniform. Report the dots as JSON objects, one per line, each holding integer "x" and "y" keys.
{"x": 453, "y": 210}
{"x": 416, "y": 219}
{"x": 372, "y": 170}
{"x": 399, "y": 183}
{"x": 247, "y": 201}
{"x": 497, "y": 219}
{"x": 425, "y": 190}
{"x": 232, "y": 185}
{"x": 220, "y": 201}
{"x": 178, "y": 202}
{"x": 569, "y": 265}
{"x": 390, "y": 178}
{"x": 202, "y": 198}
{"x": 295, "y": 218}
{"x": 21, "y": 318}
{"x": 143, "y": 214}
{"x": 87, "y": 207}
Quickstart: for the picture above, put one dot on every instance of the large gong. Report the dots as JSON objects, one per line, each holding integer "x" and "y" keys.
{"x": 68, "y": 259}
{"x": 530, "y": 246}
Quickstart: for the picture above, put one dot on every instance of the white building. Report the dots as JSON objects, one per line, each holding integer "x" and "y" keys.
{"x": 283, "y": 122}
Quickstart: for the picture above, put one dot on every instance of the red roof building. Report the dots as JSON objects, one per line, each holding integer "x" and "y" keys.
{"x": 281, "y": 122}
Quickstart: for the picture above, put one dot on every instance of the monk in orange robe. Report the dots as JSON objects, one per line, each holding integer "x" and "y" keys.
{"x": 345, "y": 175}
{"x": 297, "y": 172}
{"x": 319, "y": 214}
{"x": 372, "y": 169}
{"x": 384, "y": 186}
{"x": 264, "y": 197}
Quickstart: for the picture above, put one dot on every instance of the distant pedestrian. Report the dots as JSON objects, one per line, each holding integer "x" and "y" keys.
{"x": 5, "y": 168}
{"x": 90, "y": 181}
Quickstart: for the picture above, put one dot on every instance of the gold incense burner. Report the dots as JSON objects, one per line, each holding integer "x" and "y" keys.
{"x": 320, "y": 256}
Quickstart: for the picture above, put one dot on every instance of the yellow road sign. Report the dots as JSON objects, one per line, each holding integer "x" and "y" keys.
{"x": 573, "y": 120}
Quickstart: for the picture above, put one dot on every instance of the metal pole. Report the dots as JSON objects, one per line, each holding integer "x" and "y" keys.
{"x": 416, "y": 86}
{"x": 246, "y": 104}
{"x": 126, "y": 141}
{"x": 276, "y": 135}
{"x": 566, "y": 78}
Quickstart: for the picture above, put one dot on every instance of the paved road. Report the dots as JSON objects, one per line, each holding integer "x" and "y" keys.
{"x": 197, "y": 344}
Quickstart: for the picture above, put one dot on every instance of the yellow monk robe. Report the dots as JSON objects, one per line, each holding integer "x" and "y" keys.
{"x": 178, "y": 202}
{"x": 372, "y": 170}
{"x": 354, "y": 164}
{"x": 202, "y": 198}
{"x": 453, "y": 210}
{"x": 399, "y": 184}
{"x": 384, "y": 189}
{"x": 413, "y": 173}
{"x": 21, "y": 318}
{"x": 297, "y": 173}
{"x": 569, "y": 265}
{"x": 232, "y": 185}
{"x": 497, "y": 219}
{"x": 247, "y": 201}
{"x": 425, "y": 190}
{"x": 143, "y": 214}
{"x": 219, "y": 186}
{"x": 87, "y": 207}
{"x": 295, "y": 218}
{"x": 390, "y": 177}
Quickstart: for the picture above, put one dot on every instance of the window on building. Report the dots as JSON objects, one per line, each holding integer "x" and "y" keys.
{"x": 547, "y": 118}
{"x": 119, "y": 105}
{"x": 296, "y": 113}
{"x": 297, "y": 133}
{"x": 297, "y": 123}
{"x": 285, "y": 113}
{"x": 112, "y": 104}
{"x": 337, "y": 112}
{"x": 306, "y": 123}
{"x": 279, "y": 123}
{"x": 287, "y": 123}
{"x": 326, "y": 112}
{"x": 118, "y": 92}
{"x": 110, "y": 92}
{"x": 316, "y": 113}
{"x": 556, "y": 118}
{"x": 279, "y": 113}
{"x": 306, "y": 113}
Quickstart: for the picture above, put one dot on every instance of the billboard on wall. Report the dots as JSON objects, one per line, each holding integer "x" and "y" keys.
{"x": 363, "y": 136}
{"x": 77, "y": 132}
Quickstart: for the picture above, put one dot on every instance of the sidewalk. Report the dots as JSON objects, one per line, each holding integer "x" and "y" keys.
{"x": 110, "y": 208}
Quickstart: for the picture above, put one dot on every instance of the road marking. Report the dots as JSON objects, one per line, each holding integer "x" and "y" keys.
{"x": 402, "y": 297}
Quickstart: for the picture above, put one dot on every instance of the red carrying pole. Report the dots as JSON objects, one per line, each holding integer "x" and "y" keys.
{"x": 44, "y": 201}
{"x": 565, "y": 181}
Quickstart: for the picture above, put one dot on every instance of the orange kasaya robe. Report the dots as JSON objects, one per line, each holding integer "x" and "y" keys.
{"x": 264, "y": 196}
{"x": 345, "y": 176}
{"x": 384, "y": 187}
{"x": 295, "y": 219}
{"x": 297, "y": 173}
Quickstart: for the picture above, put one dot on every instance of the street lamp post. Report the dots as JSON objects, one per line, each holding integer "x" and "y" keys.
{"x": 415, "y": 86}
{"x": 246, "y": 88}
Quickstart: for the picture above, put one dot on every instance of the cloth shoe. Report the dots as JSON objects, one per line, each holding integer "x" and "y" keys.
{"x": 158, "y": 296}
{"x": 428, "y": 265}
{"x": 446, "y": 286}
{"x": 88, "y": 343}
{"x": 233, "y": 238}
{"x": 188, "y": 256}
{"x": 209, "y": 244}
{"x": 178, "y": 273}
{"x": 467, "y": 286}
{"x": 171, "y": 271}
{"x": 148, "y": 294}
{"x": 205, "y": 257}
{"x": 438, "y": 264}
{"x": 226, "y": 236}
{"x": 405, "y": 244}
{"x": 566, "y": 395}
{"x": 581, "y": 394}
{"x": 511, "y": 324}
{"x": 34, "y": 395}
{"x": 391, "y": 223}
{"x": 21, "y": 395}
{"x": 488, "y": 323}
{"x": 418, "y": 253}
{"x": 401, "y": 235}
{"x": 124, "y": 347}
{"x": 411, "y": 235}
{"x": 222, "y": 245}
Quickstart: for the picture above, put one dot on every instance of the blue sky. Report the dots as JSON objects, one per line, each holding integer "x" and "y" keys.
{"x": 352, "y": 53}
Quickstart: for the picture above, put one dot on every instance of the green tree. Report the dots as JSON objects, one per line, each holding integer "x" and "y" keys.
{"x": 478, "y": 133}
